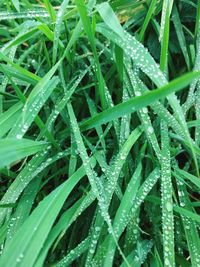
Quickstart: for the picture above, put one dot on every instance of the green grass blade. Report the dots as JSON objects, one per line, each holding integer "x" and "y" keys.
{"x": 12, "y": 150}
{"x": 138, "y": 102}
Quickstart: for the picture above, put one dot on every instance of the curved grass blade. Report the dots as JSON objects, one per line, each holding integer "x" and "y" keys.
{"x": 12, "y": 150}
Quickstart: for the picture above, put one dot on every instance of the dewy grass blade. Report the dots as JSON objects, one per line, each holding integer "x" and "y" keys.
{"x": 57, "y": 30}
{"x": 95, "y": 184}
{"x": 167, "y": 202}
{"x": 34, "y": 103}
{"x": 138, "y": 102}
{"x": 23, "y": 14}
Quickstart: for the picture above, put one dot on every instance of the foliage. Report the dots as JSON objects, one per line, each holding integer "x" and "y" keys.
{"x": 99, "y": 133}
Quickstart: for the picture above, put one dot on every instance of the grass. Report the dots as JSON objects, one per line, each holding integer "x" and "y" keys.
{"x": 99, "y": 133}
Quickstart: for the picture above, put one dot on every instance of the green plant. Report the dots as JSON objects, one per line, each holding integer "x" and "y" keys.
{"x": 99, "y": 133}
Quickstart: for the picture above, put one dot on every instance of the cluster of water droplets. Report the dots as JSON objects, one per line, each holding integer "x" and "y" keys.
{"x": 28, "y": 14}
{"x": 61, "y": 104}
{"x": 135, "y": 50}
{"x": 75, "y": 253}
{"x": 32, "y": 107}
{"x": 178, "y": 236}
{"x": 143, "y": 113}
{"x": 137, "y": 200}
{"x": 133, "y": 230}
{"x": 197, "y": 109}
{"x": 189, "y": 225}
{"x": 145, "y": 189}
{"x": 190, "y": 98}
{"x": 143, "y": 248}
{"x": 58, "y": 25}
{"x": 12, "y": 223}
{"x": 93, "y": 243}
{"x": 167, "y": 212}
{"x": 95, "y": 181}
{"x": 125, "y": 120}
{"x": 114, "y": 173}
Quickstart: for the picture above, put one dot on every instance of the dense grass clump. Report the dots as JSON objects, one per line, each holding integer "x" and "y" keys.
{"x": 99, "y": 133}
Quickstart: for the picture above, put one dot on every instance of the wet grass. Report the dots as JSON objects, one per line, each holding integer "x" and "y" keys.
{"x": 99, "y": 133}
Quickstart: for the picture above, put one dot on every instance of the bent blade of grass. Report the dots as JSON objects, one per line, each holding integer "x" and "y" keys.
{"x": 135, "y": 50}
{"x": 146, "y": 63}
{"x": 138, "y": 102}
{"x": 12, "y": 150}
{"x": 189, "y": 214}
